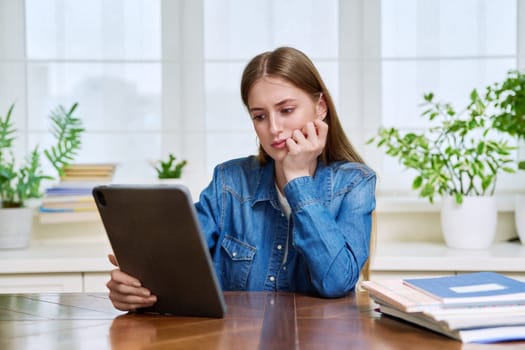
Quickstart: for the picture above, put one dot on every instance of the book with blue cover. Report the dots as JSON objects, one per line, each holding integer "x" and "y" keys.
{"x": 479, "y": 288}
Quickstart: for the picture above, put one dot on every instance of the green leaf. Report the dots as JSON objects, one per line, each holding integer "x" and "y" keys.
{"x": 417, "y": 182}
{"x": 458, "y": 197}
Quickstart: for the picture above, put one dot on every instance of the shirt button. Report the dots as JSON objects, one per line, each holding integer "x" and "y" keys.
{"x": 234, "y": 254}
{"x": 279, "y": 247}
{"x": 284, "y": 268}
{"x": 272, "y": 278}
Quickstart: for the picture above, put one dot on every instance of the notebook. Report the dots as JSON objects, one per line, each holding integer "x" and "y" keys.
{"x": 478, "y": 288}
{"x": 156, "y": 237}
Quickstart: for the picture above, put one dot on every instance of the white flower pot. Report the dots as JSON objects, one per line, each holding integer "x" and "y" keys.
{"x": 471, "y": 225}
{"x": 519, "y": 216}
{"x": 16, "y": 225}
{"x": 171, "y": 181}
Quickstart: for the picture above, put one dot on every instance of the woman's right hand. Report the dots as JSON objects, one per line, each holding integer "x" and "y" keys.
{"x": 126, "y": 292}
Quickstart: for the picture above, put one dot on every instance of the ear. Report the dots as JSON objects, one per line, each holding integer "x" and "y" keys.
{"x": 321, "y": 109}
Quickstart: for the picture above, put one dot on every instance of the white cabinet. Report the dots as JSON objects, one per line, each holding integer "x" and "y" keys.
{"x": 74, "y": 266}
{"x": 40, "y": 282}
{"x": 88, "y": 282}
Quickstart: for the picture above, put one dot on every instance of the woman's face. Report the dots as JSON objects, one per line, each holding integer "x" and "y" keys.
{"x": 277, "y": 108}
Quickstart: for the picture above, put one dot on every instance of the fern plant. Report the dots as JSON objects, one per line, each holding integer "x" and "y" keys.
{"x": 66, "y": 129}
{"x": 18, "y": 184}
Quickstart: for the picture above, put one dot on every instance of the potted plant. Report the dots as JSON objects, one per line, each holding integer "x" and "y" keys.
{"x": 170, "y": 168}
{"x": 21, "y": 181}
{"x": 458, "y": 158}
{"x": 508, "y": 98}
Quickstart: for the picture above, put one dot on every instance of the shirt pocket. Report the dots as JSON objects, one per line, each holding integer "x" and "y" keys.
{"x": 237, "y": 260}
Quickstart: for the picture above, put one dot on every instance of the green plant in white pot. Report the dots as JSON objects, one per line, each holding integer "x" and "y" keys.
{"x": 508, "y": 98}
{"x": 458, "y": 158}
{"x": 21, "y": 182}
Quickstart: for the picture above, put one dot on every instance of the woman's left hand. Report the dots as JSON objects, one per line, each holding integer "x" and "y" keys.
{"x": 303, "y": 149}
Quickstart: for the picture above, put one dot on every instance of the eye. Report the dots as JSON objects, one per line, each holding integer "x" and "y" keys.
{"x": 258, "y": 117}
{"x": 287, "y": 110}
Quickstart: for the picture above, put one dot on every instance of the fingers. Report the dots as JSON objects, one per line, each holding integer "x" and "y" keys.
{"x": 113, "y": 259}
{"x": 123, "y": 278}
{"x": 322, "y": 128}
{"x": 310, "y": 131}
{"x": 311, "y": 138}
{"x": 322, "y": 133}
{"x": 131, "y": 304}
{"x": 127, "y": 298}
{"x": 297, "y": 138}
{"x": 126, "y": 292}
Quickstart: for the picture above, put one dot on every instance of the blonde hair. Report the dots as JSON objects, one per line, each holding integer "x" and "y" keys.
{"x": 295, "y": 67}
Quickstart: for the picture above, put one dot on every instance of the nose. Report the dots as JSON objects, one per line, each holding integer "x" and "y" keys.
{"x": 275, "y": 124}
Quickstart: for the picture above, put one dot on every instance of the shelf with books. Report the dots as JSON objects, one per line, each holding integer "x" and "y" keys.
{"x": 71, "y": 199}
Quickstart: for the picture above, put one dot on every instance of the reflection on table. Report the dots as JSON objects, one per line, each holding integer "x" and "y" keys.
{"x": 253, "y": 320}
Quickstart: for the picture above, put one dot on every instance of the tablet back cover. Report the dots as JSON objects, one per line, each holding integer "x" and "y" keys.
{"x": 156, "y": 237}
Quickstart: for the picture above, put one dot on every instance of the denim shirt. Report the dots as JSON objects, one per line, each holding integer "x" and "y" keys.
{"x": 319, "y": 250}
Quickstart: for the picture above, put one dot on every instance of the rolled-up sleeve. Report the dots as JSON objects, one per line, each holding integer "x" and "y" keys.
{"x": 333, "y": 237}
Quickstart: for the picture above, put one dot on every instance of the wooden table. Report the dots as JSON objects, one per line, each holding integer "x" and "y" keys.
{"x": 254, "y": 320}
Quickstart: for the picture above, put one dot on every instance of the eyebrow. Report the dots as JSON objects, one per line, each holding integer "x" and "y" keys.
{"x": 278, "y": 104}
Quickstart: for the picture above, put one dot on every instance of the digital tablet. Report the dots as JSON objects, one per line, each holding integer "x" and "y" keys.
{"x": 155, "y": 236}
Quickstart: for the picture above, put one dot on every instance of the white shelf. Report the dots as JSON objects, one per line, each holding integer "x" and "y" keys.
{"x": 57, "y": 257}
{"x": 77, "y": 256}
{"x": 62, "y": 218}
{"x": 411, "y": 205}
{"x": 428, "y": 256}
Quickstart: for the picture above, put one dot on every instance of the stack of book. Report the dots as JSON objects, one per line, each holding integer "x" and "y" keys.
{"x": 82, "y": 173}
{"x": 482, "y": 307}
{"x": 71, "y": 199}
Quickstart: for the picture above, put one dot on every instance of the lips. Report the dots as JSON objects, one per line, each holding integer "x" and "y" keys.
{"x": 279, "y": 144}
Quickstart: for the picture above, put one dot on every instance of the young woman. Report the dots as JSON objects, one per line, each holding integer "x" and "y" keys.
{"x": 296, "y": 217}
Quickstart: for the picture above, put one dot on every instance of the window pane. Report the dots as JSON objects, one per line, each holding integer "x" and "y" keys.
{"x": 12, "y": 88}
{"x": 437, "y": 28}
{"x": 240, "y": 29}
{"x": 224, "y": 107}
{"x": 238, "y": 144}
{"x": 110, "y": 96}
{"x": 405, "y": 82}
{"x": 95, "y": 29}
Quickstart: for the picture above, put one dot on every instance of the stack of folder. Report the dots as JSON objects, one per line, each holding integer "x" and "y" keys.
{"x": 482, "y": 307}
{"x": 71, "y": 200}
